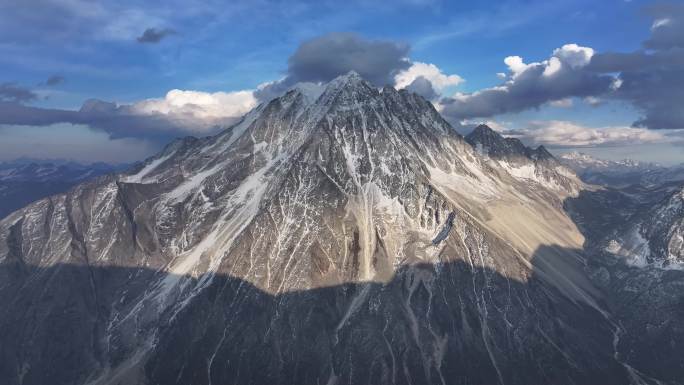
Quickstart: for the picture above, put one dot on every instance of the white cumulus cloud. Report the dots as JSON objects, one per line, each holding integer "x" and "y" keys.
{"x": 570, "y": 134}
{"x": 431, "y": 72}
{"x": 574, "y": 55}
{"x": 202, "y": 109}
{"x": 553, "y": 65}
{"x": 516, "y": 65}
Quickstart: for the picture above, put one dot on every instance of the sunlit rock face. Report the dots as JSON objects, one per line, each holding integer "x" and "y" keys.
{"x": 340, "y": 235}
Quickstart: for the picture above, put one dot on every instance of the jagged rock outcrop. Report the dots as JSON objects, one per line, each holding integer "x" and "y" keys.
{"x": 536, "y": 165}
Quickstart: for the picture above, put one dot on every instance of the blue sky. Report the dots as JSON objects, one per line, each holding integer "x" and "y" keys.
{"x": 99, "y": 50}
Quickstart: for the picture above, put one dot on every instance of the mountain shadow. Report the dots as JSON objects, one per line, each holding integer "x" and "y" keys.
{"x": 648, "y": 301}
{"x": 453, "y": 323}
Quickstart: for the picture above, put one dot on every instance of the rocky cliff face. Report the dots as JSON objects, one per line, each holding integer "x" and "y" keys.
{"x": 341, "y": 235}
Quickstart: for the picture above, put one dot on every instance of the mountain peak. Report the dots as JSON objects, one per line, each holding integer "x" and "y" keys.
{"x": 488, "y": 141}
{"x": 347, "y": 91}
{"x": 486, "y": 136}
{"x": 484, "y": 129}
{"x": 351, "y": 75}
{"x": 541, "y": 153}
{"x": 495, "y": 145}
{"x": 350, "y": 80}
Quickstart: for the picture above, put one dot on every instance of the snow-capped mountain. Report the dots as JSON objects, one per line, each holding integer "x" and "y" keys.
{"x": 581, "y": 161}
{"x": 24, "y": 181}
{"x": 620, "y": 173}
{"x": 337, "y": 235}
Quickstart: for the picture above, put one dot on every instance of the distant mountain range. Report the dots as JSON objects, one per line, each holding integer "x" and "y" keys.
{"x": 620, "y": 173}
{"x": 23, "y": 181}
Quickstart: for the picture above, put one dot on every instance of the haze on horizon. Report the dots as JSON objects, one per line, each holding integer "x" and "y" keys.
{"x": 96, "y": 81}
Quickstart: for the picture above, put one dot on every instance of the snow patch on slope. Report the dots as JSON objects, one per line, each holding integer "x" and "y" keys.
{"x": 140, "y": 176}
{"x": 529, "y": 172}
{"x": 634, "y": 248}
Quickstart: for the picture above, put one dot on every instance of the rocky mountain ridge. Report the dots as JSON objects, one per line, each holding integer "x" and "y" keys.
{"x": 537, "y": 164}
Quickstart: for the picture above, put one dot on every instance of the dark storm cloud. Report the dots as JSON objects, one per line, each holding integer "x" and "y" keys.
{"x": 19, "y": 114}
{"x": 657, "y": 93}
{"x": 153, "y": 35}
{"x": 529, "y": 89}
{"x": 651, "y": 79}
{"x": 117, "y": 121}
{"x": 122, "y": 121}
{"x": 11, "y": 92}
{"x": 423, "y": 87}
{"x": 326, "y": 57}
{"x": 668, "y": 26}
{"x": 54, "y": 80}
{"x": 636, "y": 61}
{"x": 323, "y": 58}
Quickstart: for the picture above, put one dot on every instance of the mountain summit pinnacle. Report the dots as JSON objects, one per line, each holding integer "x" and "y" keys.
{"x": 349, "y": 89}
{"x": 351, "y": 75}
{"x": 349, "y": 80}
